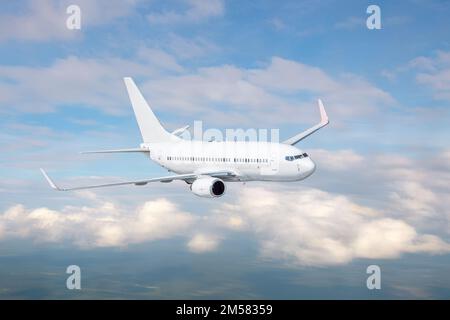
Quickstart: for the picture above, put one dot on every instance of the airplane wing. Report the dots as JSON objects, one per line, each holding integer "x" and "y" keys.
{"x": 116, "y": 151}
{"x": 217, "y": 174}
{"x": 323, "y": 122}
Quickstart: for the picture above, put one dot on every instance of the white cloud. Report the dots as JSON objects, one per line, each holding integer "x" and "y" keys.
{"x": 439, "y": 82}
{"x": 414, "y": 188}
{"x": 187, "y": 48}
{"x": 434, "y": 73}
{"x": 241, "y": 96}
{"x": 413, "y": 197}
{"x": 305, "y": 226}
{"x": 45, "y": 20}
{"x": 312, "y": 227}
{"x": 103, "y": 225}
{"x": 214, "y": 85}
{"x": 73, "y": 81}
{"x": 197, "y": 11}
{"x": 337, "y": 160}
{"x": 159, "y": 58}
{"x": 289, "y": 76}
{"x": 388, "y": 238}
{"x": 201, "y": 243}
{"x": 253, "y": 94}
{"x": 226, "y": 217}
{"x": 422, "y": 63}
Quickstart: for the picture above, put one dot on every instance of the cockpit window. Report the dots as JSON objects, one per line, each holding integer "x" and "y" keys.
{"x": 298, "y": 156}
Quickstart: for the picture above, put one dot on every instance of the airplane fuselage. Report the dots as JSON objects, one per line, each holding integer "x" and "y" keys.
{"x": 251, "y": 161}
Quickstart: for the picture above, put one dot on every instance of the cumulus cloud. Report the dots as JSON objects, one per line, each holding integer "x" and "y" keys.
{"x": 103, "y": 225}
{"x": 303, "y": 226}
{"x": 413, "y": 197}
{"x": 313, "y": 227}
{"x": 228, "y": 218}
{"x": 197, "y": 11}
{"x": 414, "y": 188}
{"x": 417, "y": 187}
{"x": 201, "y": 243}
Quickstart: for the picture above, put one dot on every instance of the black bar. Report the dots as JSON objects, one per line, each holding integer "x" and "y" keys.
{"x": 223, "y": 309}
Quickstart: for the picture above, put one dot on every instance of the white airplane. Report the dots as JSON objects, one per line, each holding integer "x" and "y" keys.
{"x": 206, "y": 166}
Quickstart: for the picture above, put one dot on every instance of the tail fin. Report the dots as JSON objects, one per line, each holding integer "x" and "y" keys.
{"x": 150, "y": 127}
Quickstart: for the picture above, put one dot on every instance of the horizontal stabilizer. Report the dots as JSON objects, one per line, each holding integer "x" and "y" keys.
{"x": 180, "y": 131}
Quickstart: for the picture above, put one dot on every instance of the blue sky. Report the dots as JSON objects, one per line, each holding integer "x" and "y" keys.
{"x": 379, "y": 195}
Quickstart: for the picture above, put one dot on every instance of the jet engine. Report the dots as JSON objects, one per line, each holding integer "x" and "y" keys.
{"x": 208, "y": 187}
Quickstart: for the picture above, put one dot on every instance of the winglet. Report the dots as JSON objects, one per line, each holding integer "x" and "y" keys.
{"x": 50, "y": 181}
{"x": 323, "y": 113}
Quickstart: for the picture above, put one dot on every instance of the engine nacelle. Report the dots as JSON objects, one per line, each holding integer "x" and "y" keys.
{"x": 208, "y": 187}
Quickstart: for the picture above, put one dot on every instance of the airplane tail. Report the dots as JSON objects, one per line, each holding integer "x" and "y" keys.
{"x": 150, "y": 127}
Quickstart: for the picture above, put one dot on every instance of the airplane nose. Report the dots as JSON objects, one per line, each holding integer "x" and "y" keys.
{"x": 309, "y": 167}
